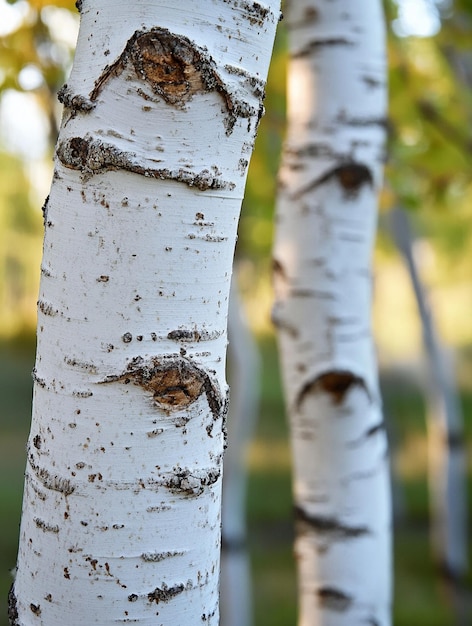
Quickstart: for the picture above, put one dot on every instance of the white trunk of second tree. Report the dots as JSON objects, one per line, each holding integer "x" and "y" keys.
{"x": 330, "y": 176}
{"x": 121, "y": 513}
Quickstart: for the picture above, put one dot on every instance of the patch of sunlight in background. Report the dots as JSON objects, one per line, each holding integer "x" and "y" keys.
{"x": 417, "y": 18}
{"x": 23, "y": 125}
{"x": 12, "y": 16}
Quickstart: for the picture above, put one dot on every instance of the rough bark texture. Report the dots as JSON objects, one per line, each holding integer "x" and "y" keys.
{"x": 329, "y": 179}
{"x": 121, "y": 513}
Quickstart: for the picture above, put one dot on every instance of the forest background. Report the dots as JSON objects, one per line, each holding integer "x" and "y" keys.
{"x": 428, "y": 173}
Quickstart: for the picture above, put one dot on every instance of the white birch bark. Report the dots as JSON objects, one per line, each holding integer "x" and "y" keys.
{"x": 447, "y": 464}
{"x": 121, "y": 512}
{"x": 329, "y": 179}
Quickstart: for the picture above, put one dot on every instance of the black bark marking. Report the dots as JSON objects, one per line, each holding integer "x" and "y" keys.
{"x": 75, "y": 102}
{"x": 329, "y": 526}
{"x": 335, "y": 383}
{"x": 78, "y": 5}
{"x": 175, "y": 383}
{"x": 156, "y": 557}
{"x": 189, "y": 484}
{"x": 44, "y": 210}
{"x": 278, "y": 270}
{"x": 254, "y": 83}
{"x": 319, "y": 44}
{"x": 375, "y": 429}
{"x": 350, "y": 176}
{"x": 55, "y": 483}
{"x": 362, "y": 122}
{"x": 254, "y": 12}
{"x": 175, "y": 69}
{"x": 36, "y": 609}
{"x": 12, "y": 607}
{"x": 93, "y": 156}
{"x": 370, "y": 432}
{"x": 83, "y": 365}
{"x": 45, "y": 527}
{"x": 47, "y": 308}
{"x": 165, "y": 593}
{"x": 183, "y": 334}
{"x": 334, "y": 599}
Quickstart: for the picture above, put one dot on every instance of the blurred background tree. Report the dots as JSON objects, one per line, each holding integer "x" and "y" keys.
{"x": 428, "y": 172}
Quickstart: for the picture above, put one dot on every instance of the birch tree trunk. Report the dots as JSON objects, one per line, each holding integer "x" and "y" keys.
{"x": 121, "y": 511}
{"x": 330, "y": 175}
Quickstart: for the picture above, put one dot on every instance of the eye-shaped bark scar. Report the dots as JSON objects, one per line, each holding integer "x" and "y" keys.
{"x": 336, "y": 384}
{"x": 174, "y": 384}
{"x": 175, "y": 69}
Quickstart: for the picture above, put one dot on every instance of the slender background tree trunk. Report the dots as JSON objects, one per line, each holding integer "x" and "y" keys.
{"x": 121, "y": 512}
{"x": 326, "y": 219}
{"x": 447, "y": 465}
{"x": 244, "y": 378}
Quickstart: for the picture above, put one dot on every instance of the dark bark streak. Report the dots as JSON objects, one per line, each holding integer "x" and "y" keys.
{"x": 350, "y": 176}
{"x": 334, "y": 599}
{"x": 326, "y": 526}
{"x": 157, "y": 557}
{"x": 335, "y": 383}
{"x": 93, "y": 156}
{"x": 12, "y": 607}
{"x": 48, "y": 480}
{"x": 186, "y": 483}
{"x": 165, "y": 593}
{"x": 44, "y": 210}
{"x": 183, "y": 334}
{"x": 76, "y": 102}
{"x": 319, "y": 44}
